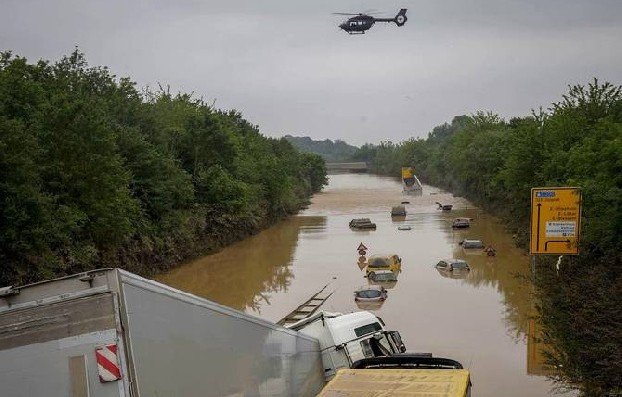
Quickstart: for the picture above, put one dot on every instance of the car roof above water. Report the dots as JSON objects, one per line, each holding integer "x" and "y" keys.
{"x": 454, "y": 260}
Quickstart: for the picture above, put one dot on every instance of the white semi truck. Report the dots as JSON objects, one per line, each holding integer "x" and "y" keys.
{"x": 110, "y": 333}
{"x": 347, "y": 338}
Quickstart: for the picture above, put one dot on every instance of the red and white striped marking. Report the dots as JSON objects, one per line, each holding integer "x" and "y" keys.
{"x": 107, "y": 363}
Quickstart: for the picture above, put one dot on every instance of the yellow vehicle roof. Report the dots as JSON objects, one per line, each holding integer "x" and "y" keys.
{"x": 398, "y": 382}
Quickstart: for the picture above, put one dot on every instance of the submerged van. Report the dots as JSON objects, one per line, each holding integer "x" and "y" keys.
{"x": 378, "y": 262}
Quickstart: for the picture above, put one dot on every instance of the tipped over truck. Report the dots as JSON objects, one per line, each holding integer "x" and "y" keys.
{"x": 111, "y": 333}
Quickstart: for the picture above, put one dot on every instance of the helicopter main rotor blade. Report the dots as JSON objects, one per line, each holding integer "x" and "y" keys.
{"x": 343, "y": 13}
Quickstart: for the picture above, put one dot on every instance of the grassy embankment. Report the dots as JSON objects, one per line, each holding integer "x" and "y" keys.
{"x": 495, "y": 163}
{"x": 94, "y": 173}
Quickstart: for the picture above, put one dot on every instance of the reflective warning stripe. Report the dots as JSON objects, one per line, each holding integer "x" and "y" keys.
{"x": 107, "y": 363}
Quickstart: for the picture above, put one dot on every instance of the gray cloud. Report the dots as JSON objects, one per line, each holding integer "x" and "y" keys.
{"x": 288, "y": 68}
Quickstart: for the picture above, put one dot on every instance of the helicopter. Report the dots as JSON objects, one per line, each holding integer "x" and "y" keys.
{"x": 360, "y": 23}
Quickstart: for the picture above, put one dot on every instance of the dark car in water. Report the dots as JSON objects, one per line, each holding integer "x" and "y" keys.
{"x": 461, "y": 223}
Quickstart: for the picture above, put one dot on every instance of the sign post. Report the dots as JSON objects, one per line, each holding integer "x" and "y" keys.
{"x": 555, "y": 221}
{"x": 362, "y": 250}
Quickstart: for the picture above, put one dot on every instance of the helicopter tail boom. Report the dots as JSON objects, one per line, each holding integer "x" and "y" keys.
{"x": 400, "y": 19}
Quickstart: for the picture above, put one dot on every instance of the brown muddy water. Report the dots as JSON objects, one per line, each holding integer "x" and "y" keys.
{"x": 482, "y": 320}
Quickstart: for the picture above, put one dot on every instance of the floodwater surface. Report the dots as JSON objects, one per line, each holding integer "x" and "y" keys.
{"x": 482, "y": 318}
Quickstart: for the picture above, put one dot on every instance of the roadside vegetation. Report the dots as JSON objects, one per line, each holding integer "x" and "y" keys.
{"x": 495, "y": 163}
{"x": 94, "y": 173}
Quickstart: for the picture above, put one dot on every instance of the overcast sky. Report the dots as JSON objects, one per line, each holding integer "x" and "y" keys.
{"x": 286, "y": 66}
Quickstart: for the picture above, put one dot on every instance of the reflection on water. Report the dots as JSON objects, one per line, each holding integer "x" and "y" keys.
{"x": 537, "y": 363}
{"x": 482, "y": 319}
{"x": 455, "y": 274}
{"x": 244, "y": 274}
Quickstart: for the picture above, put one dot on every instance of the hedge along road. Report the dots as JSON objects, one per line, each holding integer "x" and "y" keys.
{"x": 483, "y": 320}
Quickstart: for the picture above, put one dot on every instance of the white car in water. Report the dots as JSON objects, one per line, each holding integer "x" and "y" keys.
{"x": 453, "y": 265}
{"x": 371, "y": 293}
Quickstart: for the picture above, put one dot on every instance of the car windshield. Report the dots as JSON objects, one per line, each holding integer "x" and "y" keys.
{"x": 384, "y": 276}
{"x": 368, "y": 293}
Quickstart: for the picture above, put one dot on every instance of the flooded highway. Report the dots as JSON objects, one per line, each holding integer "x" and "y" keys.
{"x": 482, "y": 319}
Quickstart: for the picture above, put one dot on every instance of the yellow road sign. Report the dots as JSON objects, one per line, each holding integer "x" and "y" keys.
{"x": 555, "y": 221}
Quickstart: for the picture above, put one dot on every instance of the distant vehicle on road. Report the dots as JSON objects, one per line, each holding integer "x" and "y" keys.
{"x": 453, "y": 265}
{"x": 444, "y": 207}
{"x": 370, "y": 293}
{"x": 461, "y": 223}
{"x": 377, "y": 262}
{"x": 362, "y": 224}
{"x": 472, "y": 244}
{"x": 398, "y": 210}
{"x": 384, "y": 278}
{"x": 410, "y": 182}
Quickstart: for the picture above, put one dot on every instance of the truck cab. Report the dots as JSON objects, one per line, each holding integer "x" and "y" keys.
{"x": 347, "y": 338}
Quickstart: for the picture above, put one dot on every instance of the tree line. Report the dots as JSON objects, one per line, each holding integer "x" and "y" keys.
{"x": 495, "y": 163}
{"x": 95, "y": 173}
{"x": 331, "y": 151}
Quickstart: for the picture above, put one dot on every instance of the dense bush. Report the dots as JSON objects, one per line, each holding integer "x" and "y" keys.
{"x": 577, "y": 142}
{"x": 95, "y": 173}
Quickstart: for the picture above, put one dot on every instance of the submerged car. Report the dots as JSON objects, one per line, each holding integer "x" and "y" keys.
{"x": 453, "y": 265}
{"x": 444, "y": 207}
{"x": 461, "y": 223}
{"x": 362, "y": 224}
{"x": 471, "y": 244}
{"x": 399, "y": 210}
{"x": 384, "y": 278}
{"x": 378, "y": 262}
{"x": 370, "y": 293}
{"x": 382, "y": 275}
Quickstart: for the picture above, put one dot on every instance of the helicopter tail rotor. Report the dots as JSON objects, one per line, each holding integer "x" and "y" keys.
{"x": 400, "y": 19}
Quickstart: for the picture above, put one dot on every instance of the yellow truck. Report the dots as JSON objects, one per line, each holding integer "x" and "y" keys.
{"x": 411, "y": 183}
{"x": 378, "y": 262}
{"x": 404, "y": 375}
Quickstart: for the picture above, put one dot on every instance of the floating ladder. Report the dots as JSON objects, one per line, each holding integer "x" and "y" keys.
{"x": 306, "y": 309}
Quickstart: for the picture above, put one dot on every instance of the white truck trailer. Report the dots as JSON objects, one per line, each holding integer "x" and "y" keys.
{"x": 110, "y": 333}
